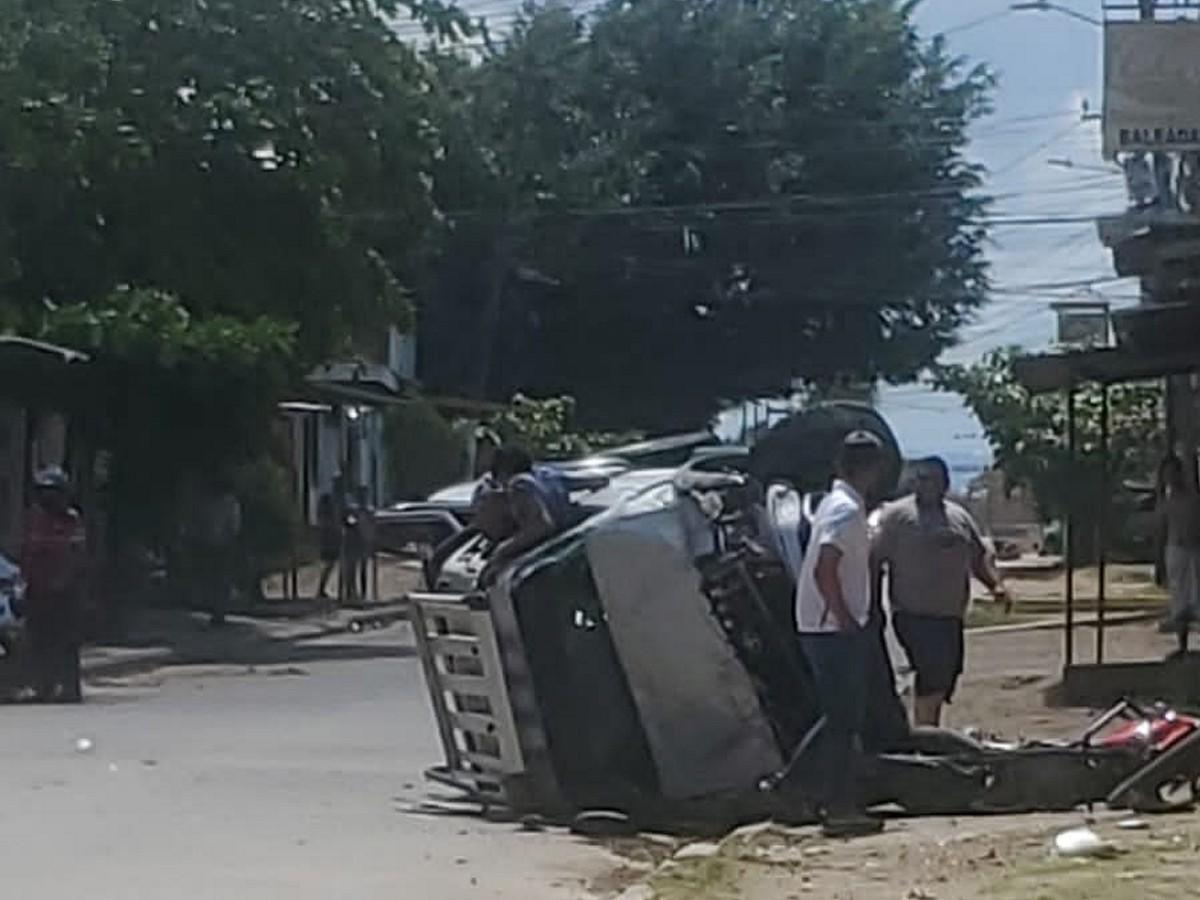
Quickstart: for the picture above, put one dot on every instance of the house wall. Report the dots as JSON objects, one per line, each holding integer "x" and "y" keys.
{"x": 320, "y": 449}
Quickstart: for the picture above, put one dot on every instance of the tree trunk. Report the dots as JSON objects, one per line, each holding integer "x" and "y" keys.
{"x": 491, "y": 315}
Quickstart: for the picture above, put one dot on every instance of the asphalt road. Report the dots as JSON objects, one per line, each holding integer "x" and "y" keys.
{"x": 294, "y": 783}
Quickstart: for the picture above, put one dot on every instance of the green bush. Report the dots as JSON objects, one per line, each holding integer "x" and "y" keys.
{"x": 546, "y": 427}
{"x": 270, "y": 518}
{"x": 424, "y": 451}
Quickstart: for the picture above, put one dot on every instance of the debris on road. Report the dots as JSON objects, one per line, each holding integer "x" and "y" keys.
{"x": 1082, "y": 843}
{"x": 698, "y": 850}
{"x": 533, "y": 823}
{"x": 603, "y": 823}
{"x": 1133, "y": 825}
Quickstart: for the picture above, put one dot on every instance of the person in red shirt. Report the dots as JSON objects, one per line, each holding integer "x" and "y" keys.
{"x": 54, "y": 563}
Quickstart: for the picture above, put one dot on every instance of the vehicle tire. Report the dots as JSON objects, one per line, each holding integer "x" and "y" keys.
{"x": 1178, "y": 766}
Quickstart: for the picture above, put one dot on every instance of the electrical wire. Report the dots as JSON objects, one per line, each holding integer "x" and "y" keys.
{"x": 975, "y": 23}
{"x": 1036, "y": 149}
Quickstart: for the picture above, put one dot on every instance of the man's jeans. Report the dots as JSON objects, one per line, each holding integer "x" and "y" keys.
{"x": 839, "y": 663}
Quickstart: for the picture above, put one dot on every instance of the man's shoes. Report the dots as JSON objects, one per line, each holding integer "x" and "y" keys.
{"x": 850, "y": 825}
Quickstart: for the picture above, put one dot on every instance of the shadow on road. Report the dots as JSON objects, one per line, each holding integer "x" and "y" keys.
{"x": 247, "y": 641}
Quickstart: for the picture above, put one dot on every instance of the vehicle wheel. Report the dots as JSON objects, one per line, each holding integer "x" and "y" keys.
{"x": 1156, "y": 784}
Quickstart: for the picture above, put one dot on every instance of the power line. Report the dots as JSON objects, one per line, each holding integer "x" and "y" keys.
{"x": 975, "y": 23}
{"x": 1038, "y": 148}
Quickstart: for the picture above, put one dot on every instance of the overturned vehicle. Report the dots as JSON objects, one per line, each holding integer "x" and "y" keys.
{"x": 644, "y": 662}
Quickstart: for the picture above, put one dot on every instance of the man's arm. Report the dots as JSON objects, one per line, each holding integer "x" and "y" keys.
{"x": 983, "y": 565}
{"x": 829, "y": 583}
{"x": 534, "y": 525}
{"x": 881, "y": 556}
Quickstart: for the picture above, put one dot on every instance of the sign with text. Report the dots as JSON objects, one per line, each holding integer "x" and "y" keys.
{"x": 1151, "y": 86}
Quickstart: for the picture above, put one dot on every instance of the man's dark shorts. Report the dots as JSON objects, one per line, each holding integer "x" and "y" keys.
{"x": 934, "y": 645}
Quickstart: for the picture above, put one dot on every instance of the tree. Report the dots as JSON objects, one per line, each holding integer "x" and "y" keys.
{"x": 1028, "y": 433}
{"x": 548, "y": 429}
{"x": 684, "y": 201}
{"x": 234, "y": 154}
{"x": 424, "y": 450}
{"x": 173, "y": 398}
{"x": 190, "y": 191}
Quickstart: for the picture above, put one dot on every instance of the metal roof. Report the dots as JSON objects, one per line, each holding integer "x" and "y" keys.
{"x": 38, "y": 373}
{"x": 1060, "y": 371}
{"x": 357, "y": 381}
{"x": 14, "y": 347}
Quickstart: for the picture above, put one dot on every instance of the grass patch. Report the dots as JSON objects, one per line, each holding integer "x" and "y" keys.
{"x": 708, "y": 879}
{"x": 982, "y": 615}
{"x": 1163, "y": 872}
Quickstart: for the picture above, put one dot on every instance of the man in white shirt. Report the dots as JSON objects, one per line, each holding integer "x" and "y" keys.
{"x": 833, "y": 606}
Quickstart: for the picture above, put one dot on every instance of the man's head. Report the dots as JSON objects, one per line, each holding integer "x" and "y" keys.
{"x": 51, "y": 487}
{"x": 931, "y": 480}
{"x": 860, "y": 460}
{"x": 510, "y": 461}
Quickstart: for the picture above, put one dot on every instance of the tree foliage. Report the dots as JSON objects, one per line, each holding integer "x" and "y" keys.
{"x": 1028, "y": 433}
{"x": 681, "y": 201}
{"x": 231, "y": 153}
{"x": 172, "y": 397}
{"x": 424, "y": 450}
{"x": 228, "y": 159}
{"x": 548, "y": 429}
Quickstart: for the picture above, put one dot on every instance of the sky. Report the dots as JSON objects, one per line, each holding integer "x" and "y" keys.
{"x": 1049, "y": 66}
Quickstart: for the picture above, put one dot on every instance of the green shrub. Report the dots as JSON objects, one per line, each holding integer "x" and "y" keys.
{"x": 270, "y": 518}
{"x": 424, "y": 451}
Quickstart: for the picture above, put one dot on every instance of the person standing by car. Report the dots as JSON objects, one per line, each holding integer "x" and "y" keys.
{"x": 54, "y": 559}
{"x": 219, "y": 527}
{"x": 329, "y": 542}
{"x": 833, "y": 610}
{"x": 930, "y": 548}
{"x": 1179, "y": 535}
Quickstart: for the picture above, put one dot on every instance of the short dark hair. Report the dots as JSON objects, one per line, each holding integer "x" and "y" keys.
{"x": 860, "y": 452}
{"x": 938, "y": 465}
{"x": 511, "y": 460}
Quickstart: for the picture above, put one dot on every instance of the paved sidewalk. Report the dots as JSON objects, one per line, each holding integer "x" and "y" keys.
{"x": 274, "y": 635}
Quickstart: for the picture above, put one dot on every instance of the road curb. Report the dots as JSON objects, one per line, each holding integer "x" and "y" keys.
{"x": 389, "y": 615}
{"x": 138, "y": 662}
{"x": 125, "y": 666}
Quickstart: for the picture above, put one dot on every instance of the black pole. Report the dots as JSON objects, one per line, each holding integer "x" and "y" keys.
{"x": 1102, "y": 525}
{"x": 1069, "y": 536}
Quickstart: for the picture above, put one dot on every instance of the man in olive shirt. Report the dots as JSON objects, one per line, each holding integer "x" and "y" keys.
{"x": 930, "y": 548}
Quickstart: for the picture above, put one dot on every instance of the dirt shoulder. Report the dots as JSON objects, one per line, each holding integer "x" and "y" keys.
{"x": 970, "y": 858}
{"x": 986, "y": 858}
